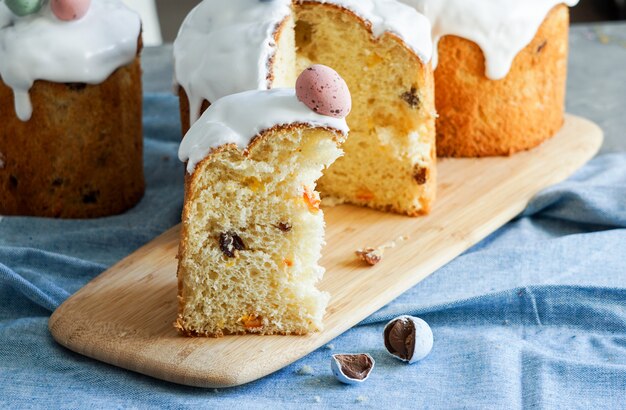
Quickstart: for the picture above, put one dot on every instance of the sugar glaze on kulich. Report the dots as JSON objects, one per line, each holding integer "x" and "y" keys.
{"x": 239, "y": 118}
{"x": 502, "y": 28}
{"x": 224, "y": 48}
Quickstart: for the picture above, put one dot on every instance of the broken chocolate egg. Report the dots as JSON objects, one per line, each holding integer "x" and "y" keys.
{"x": 352, "y": 368}
{"x": 408, "y": 338}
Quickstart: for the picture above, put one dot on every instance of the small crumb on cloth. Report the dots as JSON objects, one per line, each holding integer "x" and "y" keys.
{"x": 305, "y": 371}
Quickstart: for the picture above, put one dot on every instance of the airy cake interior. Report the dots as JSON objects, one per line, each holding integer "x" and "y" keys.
{"x": 252, "y": 237}
{"x": 390, "y": 155}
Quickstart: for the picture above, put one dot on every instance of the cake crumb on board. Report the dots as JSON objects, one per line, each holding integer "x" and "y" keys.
{"x": 372, "y": 256}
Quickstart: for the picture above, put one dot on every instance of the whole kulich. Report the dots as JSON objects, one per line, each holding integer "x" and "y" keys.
{"x": 70, "y": 111}
{"x": 500, "y": 73}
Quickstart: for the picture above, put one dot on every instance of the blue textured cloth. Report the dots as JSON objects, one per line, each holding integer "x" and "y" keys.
{"x": 533, "y": 317}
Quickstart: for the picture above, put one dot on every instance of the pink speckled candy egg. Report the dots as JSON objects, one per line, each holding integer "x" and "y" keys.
{"x": 68, "y": 10}
{"x": 324, "y": 91}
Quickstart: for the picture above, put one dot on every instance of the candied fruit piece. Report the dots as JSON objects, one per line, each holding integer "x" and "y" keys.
{"x": 411, "y": 98}
{"x": 284, "y": 226}
{"x": 420, "y": 174}
{"x": 365, "y": 195}
{"x": 311, "y": 200}
{"x": 252, "y": 321}
{"x": 231, "y": 243}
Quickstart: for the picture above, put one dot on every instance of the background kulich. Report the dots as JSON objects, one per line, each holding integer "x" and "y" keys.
{"x": 81, "y": 153}
{"x": 480, "y": 117}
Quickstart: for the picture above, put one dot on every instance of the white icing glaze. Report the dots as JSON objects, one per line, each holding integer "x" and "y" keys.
{"x": 42, "y": 47}
{"x": 238, "y": 118}
{"x": 224, "y": 47}
{"x": 394, "y": 17}
{"x": 501, "y": 28}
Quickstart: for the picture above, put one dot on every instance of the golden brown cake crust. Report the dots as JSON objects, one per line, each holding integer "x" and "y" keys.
{"x": 81, "y": 153}
{"x": 479, "y": 117}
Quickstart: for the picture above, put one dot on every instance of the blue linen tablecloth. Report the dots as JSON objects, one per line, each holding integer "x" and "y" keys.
{"x": 532, "y": 317}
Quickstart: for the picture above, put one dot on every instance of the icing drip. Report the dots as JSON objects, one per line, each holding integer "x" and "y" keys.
{"x": 238, "y": 118}
{"x": 501, "y": 28}
{"x": 42, "y": 47}
{"x": 223, "y": 47}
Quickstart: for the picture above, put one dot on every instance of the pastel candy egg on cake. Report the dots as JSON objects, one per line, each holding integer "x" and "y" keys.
{"x": 324, "y": 91}
{"x": 68, "y": 10}
{"x": 24, "y": 7}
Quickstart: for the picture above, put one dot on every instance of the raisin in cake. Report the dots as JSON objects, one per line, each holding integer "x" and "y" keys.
{"x": 382, "y": 49}
{"x": 501, "y": 68}
{"x": 252, "y": 229}
{"x": 70, "y": 110}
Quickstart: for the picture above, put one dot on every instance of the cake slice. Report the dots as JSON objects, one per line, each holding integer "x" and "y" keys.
{"x": 390, "y": 158}
{"x": 252, "y": 229}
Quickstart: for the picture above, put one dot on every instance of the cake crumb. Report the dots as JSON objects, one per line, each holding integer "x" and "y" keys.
{"x": 361, "y": 399}
{"x": 372, "y": 256}
{"x": 317, "y": 399}
{"x": 216, "y": 391}
{"x": 305, "y": 371}
{"x": 330, "y": 346}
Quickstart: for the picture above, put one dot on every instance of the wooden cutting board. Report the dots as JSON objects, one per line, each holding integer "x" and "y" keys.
{"x": 125, "y": 316}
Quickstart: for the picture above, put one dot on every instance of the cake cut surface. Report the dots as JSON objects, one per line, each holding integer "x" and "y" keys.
{"x": 390, "y": 160}
{"x": 252, "y": 229}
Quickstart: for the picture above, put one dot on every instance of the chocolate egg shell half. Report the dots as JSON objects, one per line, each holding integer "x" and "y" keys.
{"x": 352, "y": 368}
{"x": 408, "y": 338}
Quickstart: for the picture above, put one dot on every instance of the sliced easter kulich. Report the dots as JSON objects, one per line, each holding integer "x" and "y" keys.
{"x": 252, "y": 230}
{"x": 71, "y": 137}
{"x": 381, "y": 48}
